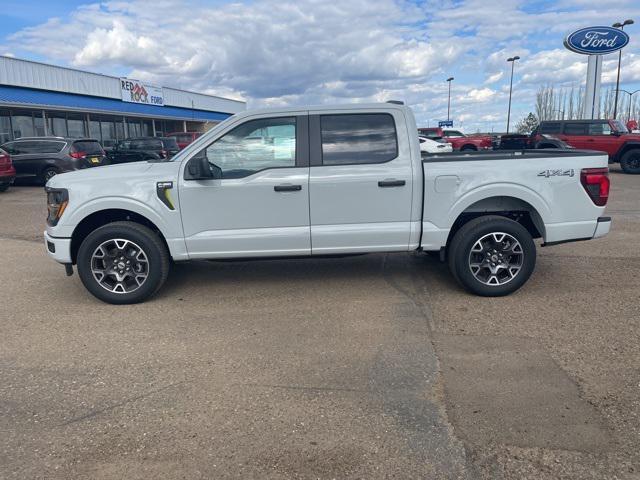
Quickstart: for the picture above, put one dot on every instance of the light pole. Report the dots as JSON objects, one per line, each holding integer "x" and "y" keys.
{"x": 631, "y": 94}
{"x": 615, "y": 103}
{"x": 559, "y": 111}
{"x": 449, "y": 80}
{"x": 513, "y": 62}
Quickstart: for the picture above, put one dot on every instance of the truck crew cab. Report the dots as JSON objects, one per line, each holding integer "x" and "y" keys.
{"x": 610, "y": 136}
{"x": 322, "y": 181}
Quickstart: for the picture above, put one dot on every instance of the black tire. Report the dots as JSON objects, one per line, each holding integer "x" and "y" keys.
{"x": 468, "y": 148}
{"x": 154, "y": 250}
{"x": 630, "y": 162}
{"x": 4, "y": 187}
{"x": 460, "y": 256}
{"x": 48, "y": 173}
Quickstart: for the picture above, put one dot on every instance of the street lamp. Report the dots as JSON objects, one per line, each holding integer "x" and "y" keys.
{"x": 621, "y": 27}
{"x": 513, "y": 62}
{"x": 449, "y": 80}
{"x": 559, "y": 111}
{"x": 631, "y": 94}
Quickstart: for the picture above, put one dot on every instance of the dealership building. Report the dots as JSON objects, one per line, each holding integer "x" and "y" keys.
{"x": 37, "y": 99}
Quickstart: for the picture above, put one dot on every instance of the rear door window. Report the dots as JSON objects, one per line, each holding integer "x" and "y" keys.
{"x": 547, "y": 127}
{"x": 575, "y": 128}
{"x": 453, "y": 133}
{"x": 599, "y": 128}
{"x": 170, "y": 143}
{"x": 349, "y": 139}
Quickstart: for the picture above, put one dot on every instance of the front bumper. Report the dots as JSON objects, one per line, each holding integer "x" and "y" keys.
{"x": 58, "y": 248}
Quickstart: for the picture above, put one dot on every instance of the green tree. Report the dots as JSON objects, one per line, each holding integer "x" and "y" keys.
{"x": 528, "y": 124}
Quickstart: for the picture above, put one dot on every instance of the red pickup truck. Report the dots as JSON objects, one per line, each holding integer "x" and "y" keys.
{"x": 457, "y": 139}
{"x": 610, "y": 136}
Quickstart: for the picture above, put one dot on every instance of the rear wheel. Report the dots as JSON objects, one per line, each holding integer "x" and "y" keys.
{"x": 468, "y": 148}
{"x": 48, "y": 173}
{"x": 630, "y": 162}
{"x": 492, "y": 256}
{"x": 4, "y": 187}
{"x": 123, "y": 262}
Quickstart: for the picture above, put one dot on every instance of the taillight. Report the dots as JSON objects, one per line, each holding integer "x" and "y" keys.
{"x": 596, "y": 183}
{"x": 78, "y": 154}
{"x": 4, "y": 159}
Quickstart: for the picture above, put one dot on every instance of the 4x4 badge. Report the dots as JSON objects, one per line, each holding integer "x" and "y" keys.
{"x": 557, "y": 173}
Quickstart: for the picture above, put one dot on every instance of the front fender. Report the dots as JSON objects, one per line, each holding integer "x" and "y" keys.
{"x": 168, "y": 222}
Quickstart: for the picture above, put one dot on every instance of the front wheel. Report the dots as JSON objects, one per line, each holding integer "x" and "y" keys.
{"x": 492, "y": 256}
{"x": 630, "y": 162}
{"x": 122, "y": 263}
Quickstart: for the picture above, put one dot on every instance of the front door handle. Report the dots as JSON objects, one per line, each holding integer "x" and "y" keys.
{"x": 391, "y": 183}
{"x": 287, "y": 188}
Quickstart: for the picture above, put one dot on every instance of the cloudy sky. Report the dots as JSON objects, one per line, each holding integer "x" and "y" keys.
{"x": 279, "y": 52}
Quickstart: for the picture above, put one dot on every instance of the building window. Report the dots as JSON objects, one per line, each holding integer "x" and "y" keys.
{"x": 22, "y": 125}
{"x": 57, "y": 123}
{"x": 75, "y": 125}
{"x": 5, "y": 126}
{"x": 94, "y": 130}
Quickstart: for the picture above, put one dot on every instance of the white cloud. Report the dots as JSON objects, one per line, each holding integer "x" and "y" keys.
{"x": 275, "y": 52}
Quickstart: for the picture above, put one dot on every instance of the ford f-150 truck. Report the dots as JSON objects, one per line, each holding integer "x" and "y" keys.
{"x": 322, "y": 181}
{"x": 458, "y": 140}
{"x": 609, "y": 136}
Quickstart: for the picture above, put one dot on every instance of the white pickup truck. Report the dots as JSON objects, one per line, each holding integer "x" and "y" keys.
{"x": 322, "y": 181}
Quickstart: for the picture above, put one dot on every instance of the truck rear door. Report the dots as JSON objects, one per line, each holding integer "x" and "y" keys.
{"x": 360, "y": 182}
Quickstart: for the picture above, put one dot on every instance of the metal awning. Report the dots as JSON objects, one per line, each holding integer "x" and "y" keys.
{"x": 45, "y": 99}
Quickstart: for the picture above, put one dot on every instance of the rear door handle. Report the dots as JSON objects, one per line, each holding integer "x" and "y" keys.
{"x": 287, "y": 188}
{"x": 391, "y": 183}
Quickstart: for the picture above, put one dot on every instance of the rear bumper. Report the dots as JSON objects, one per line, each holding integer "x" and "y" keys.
{"x": 58, "y": 248}
{"x": 602, "y": 227}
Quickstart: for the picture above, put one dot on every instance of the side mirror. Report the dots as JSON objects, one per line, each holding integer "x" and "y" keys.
{"x": 199, "y": 168}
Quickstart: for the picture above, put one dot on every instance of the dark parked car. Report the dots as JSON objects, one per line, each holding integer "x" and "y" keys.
{"x": 143, "y": 148}
{"x": 7, "y": 172}
{"x": 43, "y": 157}
{"x": 184, "y": 138}
{"x": 518, "y": 141}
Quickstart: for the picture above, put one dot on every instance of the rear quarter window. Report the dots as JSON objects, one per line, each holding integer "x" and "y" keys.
{"x": 575, "y": 128}
{"x": 358, "y": 138}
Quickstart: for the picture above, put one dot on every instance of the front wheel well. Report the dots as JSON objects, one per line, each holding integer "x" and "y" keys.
{"x": 104, "y": 217}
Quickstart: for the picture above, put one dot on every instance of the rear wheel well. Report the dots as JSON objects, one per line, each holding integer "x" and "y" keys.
{"x": 104, "y": 217}
{"x": 469, "y": 146}
{"x": 509, "y": 207}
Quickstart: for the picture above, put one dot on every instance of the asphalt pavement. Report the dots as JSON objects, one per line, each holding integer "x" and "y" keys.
{"x": 374, "y": 366}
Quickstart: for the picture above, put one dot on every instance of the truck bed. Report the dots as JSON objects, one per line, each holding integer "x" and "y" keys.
{"x": 542, "y": 184}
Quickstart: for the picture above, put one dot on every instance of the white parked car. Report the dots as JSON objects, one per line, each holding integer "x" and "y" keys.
{"x": 322, "y": 181}
{"x": 433, "y": 146}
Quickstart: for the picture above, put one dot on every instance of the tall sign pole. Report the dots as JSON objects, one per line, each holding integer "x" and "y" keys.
{"x": 591, "y": 102}
{"x": 595, "y": 42}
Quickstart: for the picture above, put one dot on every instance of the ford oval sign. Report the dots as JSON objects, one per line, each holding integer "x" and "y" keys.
{"x": 596, "y": 40}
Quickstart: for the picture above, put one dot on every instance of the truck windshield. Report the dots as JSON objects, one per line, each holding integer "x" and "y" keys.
{"x": 619, "y": 126}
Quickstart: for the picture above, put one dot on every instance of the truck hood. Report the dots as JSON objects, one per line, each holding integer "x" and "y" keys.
{"x": 120, "y": 172}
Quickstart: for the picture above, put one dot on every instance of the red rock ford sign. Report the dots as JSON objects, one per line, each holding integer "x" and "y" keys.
{"x": 137, "y": 92}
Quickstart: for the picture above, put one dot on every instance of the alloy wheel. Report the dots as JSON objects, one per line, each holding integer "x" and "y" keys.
{"x": 119, "y": 265}
{"x": 496, "y": 258}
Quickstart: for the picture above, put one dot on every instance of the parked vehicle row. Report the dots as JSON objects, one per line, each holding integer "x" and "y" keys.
{"x": 458, "y": 140}
{"x": 40, "y": 158}
{"x": 322, "y": 181}
{"x": 7, "y": 171}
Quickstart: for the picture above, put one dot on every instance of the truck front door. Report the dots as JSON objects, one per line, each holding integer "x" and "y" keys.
{"x": 360, "y": 183}
{"x": 260, "y": 205}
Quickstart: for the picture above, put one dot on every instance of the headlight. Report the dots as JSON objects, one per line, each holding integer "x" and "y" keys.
{"x": 57, "y": 200}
